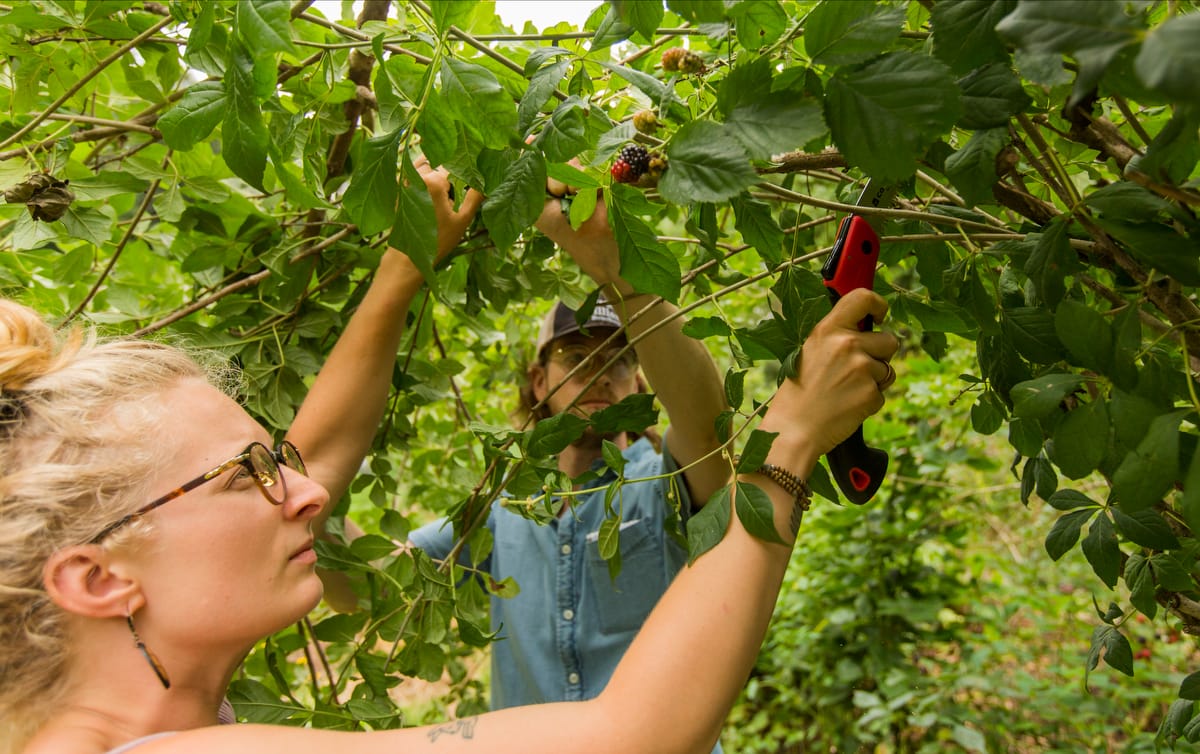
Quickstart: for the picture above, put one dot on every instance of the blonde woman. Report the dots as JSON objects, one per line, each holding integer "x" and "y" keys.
{"x": 151, "y": 532}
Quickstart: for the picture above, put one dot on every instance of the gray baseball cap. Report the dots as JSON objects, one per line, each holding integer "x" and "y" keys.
{"x": 560, "y": 321}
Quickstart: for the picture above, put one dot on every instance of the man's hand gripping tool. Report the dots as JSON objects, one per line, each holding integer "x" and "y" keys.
{"x": 857, "y": 468}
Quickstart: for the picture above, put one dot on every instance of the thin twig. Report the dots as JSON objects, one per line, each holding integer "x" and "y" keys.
{"x": 247, "y": 282}
{"x": 141, "y": 210}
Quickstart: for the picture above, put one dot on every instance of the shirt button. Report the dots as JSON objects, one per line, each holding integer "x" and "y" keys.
{"x": 568, "y": 614}
{"x": 573, "y": 678}
{"x": 566, "y": 549}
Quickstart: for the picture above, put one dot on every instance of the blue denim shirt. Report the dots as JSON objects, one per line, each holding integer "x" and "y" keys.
{"x": 563, "y": 634}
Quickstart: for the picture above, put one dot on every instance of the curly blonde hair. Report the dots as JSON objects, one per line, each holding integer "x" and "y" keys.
{"x": 76, "y": 449}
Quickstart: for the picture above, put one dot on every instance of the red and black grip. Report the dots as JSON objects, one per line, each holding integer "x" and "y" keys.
{"x": 857, "y": 468}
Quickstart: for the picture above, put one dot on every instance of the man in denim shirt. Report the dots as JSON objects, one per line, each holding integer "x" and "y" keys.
{"x": 562, "y": 635}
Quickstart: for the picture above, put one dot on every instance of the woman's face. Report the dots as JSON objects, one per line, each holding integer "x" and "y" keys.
{"x": 223, "y": 565}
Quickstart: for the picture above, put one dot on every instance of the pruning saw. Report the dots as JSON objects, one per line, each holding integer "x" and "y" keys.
{"x": 857, "y": 468}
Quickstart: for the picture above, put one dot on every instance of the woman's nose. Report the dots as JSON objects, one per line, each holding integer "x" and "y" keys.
{"x": 306, "y": 498}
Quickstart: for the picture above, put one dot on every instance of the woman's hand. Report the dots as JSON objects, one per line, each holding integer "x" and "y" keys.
{"x": 592, "y": 245}
{"x": 840, "y": 381}
{"x": 452, "y": 223}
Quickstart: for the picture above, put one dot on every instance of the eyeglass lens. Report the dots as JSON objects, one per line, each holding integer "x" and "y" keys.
{"x": 265, "y": 467}
{"x": 572, "y": 356}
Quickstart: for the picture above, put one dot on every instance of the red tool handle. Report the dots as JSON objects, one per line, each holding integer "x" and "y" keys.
{"x": 857, "y": 467}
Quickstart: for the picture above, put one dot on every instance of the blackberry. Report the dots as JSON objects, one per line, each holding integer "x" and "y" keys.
{"x": 622, "y": 172}
{"x": 636, "y": 165}
{"x": 636, "y": 156}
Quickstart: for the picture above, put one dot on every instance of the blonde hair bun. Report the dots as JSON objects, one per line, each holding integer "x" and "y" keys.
{"x": 29, "y": 348}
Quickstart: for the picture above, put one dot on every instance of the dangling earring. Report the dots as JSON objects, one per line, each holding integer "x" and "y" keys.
{"x": 155, "y": 665}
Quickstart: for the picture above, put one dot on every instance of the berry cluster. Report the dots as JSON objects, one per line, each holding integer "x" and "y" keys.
{"x": 632, "y": 163}
{"x": 683, "y": 61}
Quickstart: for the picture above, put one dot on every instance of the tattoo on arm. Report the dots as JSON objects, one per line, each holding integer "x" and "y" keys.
{"x": 464, "y": 728}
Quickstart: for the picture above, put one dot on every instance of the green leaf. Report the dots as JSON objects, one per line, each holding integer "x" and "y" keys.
{"x": 644, "y": 17}
{"x": 661, "y": 95}
{"x": 438, "y": 130}
{"x": 195, "y": 115}
{"x": 645, "y": 263}
{"x": 611, "y": 30}
{"x": 1169, "y": 58}
{"x": 1189, "y": 688}
{"x": 1158, "y": 246}
{"x": 758, "y": 445}
{"x": 990, "y": 96}
{"x": 972, "y": 169}
{"x": 255, "y": 703}
{"x": 517, "y": 202}
{"x": 244, "y": 137}
{"x": 613, "y": 457}
{"x": 987, "y": 414}
{"x": 777, "y": 123}
{"x": 1170, "y": 574}
{"x": 565, "y": 135}
{"x": 841, "y": 32}
{"x": 340, "y": 627}
{"x": 1140, "y": 581}
{"x": 1111, "y": 644}
{"x": 632, "y": 414}
{"x": 265, "y": 25}
{"x": 1051, "y": 261}
{"x": 1189, "y": 501}
{"x": 541, "y": 86}
{"x": 447, "y": 13}
{"x": 1146, "y": 528}
{"x": 757, "y": 513}
{"x": 549, "y": 436}
{"x": 414, "y": 231}
{"x": 1025, "y": 436}
{"x": 964, "y": 32}
{"x": 1038, "y": 398}
{"x": 88, "y": 224}
{"x": 370, "y": 199}
{"x": 884, "y": 114}
{"x": 370, "y": 547}
{"x": 759, "y": 22}
{"x": 1127, "y": 200}
{"x": 1067, "y": 26}
{"x": 1031, "y": 331}
{"x": 706, "y": 528}
{"x": 707, "y": 164}
{"x": 482, "y": 105}
{"x": 1081, "y": 439}
{"x": 1065, "y": 532}
{"x": 757, "y": 226}
{"x": 1066, "y": 500}
{"x": 1175, "y": 149}
{"x": 735, "y": 392}
{"x": 698, "y": 11}
{"x": 1146, "y": 473}
{"x": 1087, "y": 336}
{"x": 707, "y": 327}
{"x": 1102, "y": 551}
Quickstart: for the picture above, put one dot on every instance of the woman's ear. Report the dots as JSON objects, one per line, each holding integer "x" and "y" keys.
{"x": 83, "y": 580}
{"x": 642, "y": 387}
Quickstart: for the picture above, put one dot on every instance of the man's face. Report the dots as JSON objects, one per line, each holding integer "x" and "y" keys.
{"x": 566, "y": 353}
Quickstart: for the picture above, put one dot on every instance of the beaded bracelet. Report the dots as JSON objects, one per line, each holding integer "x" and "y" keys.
{"x": 793, "y": 484}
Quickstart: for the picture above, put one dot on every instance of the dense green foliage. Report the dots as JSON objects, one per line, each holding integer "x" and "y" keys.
{"x": 228, "y": 172}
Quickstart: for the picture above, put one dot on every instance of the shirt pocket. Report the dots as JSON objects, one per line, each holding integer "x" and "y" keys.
{"x": 623, "y": 604}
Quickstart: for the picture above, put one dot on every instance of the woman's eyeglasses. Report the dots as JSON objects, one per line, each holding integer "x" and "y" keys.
{"x": 623, "y": 366}
{"x": 257, "y": 459}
